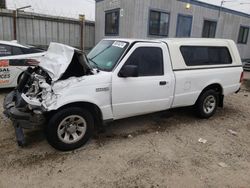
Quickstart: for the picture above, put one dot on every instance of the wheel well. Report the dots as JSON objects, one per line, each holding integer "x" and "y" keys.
{"x": 19, "y": 77}
{"x": 218, "y": 88}
{"x": 93, "y": 109}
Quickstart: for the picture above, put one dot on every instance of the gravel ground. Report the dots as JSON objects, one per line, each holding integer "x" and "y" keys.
{"x": 156, "y": 150}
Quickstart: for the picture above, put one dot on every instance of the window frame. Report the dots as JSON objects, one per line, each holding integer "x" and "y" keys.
{"x": 202, "y": 65}
{"x": 118, "y": 23}
{"x": 177, "y": 24}
{"x": 209, "y": 20}
{"x": 24, "y": 50}
{"x": 162, "y": 55}
{"x": 161, "y": 12}
{"x": 5, "y": 45}
{"x": 239, "y": 41}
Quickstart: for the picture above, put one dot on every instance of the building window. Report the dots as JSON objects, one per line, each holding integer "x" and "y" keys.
{"x": 112, "y": 22}
{"x": 243, "y": 35}
{"x": 205, "y": 55}
{"x": 184, "y": 26}
{"x": 149, "y": 61}
{"x": 209, "y": 29}
{"x": 158, "y": 23}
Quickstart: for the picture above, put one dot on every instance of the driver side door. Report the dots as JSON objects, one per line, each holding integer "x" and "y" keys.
{"x": 151, "y": 90}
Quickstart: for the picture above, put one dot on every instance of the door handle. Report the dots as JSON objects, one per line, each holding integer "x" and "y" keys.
{"x": 163, "y": 83}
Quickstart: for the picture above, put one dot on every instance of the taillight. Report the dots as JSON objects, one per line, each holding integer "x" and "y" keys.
{"x": 242, "y": 77}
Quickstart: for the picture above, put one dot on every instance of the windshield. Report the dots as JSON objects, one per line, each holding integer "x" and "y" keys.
{"x": 106, "y": 54}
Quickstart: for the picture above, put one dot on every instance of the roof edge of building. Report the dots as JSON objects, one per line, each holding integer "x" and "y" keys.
{"x": 210, "y": 6}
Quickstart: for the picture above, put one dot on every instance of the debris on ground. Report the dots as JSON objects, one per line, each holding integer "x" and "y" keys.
{"x": 130, "y": 136}
{"x": 172, "y": 158}
{"x": 223, "y": 165}
{"x": 201, "y": 140}
{"x": 232, "y": 132}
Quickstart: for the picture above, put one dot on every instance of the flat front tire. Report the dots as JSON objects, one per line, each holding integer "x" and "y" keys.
{"x": 207, "y": 104}
{"x": 70, "y": 128}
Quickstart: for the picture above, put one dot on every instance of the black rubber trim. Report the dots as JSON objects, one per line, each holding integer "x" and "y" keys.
{"x": 19, "y": 62}
{"x": 200, "y": 68}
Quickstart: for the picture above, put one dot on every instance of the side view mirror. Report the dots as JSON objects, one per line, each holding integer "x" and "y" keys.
{"x": 128, "y": 71}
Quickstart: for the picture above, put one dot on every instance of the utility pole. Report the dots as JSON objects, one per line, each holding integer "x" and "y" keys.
{"x": 221, "y": 5}
{"x": 82, "y": 30}
{"x": 15, "y": 15}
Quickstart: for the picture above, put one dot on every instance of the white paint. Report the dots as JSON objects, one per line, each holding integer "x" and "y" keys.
{"x": 126, "y": 97}
{"x": 56, "y": 60}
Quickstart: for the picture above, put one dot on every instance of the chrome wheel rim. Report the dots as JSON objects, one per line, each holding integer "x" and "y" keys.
{"x": 72, "y": 129}
{"x": 209, "y": 104}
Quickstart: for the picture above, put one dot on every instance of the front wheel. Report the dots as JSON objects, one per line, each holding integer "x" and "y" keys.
{"x": 70, "y": 128}
{"x": 207, "y": 104}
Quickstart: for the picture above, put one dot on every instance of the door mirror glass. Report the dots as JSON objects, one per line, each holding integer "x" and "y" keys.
{"x": 129, "y": 71}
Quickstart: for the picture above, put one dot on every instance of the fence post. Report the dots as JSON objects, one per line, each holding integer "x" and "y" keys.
{"x": 82, "y": 30}
{"x": 15, "y": 24}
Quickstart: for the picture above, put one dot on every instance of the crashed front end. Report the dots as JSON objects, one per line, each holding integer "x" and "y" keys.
{"x": 28, "y": 105}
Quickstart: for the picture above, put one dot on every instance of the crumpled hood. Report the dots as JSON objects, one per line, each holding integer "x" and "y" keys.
{"x": 56, "y": 60}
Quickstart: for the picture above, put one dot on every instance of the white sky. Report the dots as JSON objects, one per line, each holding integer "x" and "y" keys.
{"x": 239, "y": 5}
{"x": 66, "y": 8}
{"x": 72, "y": 8}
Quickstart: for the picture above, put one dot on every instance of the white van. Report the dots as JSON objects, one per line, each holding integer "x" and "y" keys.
{"x": 121, "y": 78}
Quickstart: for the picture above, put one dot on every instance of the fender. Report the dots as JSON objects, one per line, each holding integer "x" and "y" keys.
{"x": 63, "y": 100}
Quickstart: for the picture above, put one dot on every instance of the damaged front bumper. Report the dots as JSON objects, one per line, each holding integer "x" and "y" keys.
{"x": 22, "y": 119}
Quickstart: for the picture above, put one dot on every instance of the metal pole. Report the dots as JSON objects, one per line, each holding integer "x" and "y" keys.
{"x": 82, "y": 25}
{"x": 15, "y": 24}
{"x": 15, "y": 14}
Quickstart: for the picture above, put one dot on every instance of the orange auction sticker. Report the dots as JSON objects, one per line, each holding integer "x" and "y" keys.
{"x": 4, "y": 63}
{"x": 4, "y": 81}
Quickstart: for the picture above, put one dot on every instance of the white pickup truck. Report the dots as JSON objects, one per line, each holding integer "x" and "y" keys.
{"x": 71, "y": 94}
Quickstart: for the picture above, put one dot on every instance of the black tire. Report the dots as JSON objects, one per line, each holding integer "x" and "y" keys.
{"x": 52, "y": 129}
{"x": 19, "y": 78}
{"x": 203, "y": 110}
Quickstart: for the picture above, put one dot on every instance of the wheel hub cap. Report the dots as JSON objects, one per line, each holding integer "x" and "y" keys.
{"x": 72, "y": 129}
{"x": 209, "y": 104}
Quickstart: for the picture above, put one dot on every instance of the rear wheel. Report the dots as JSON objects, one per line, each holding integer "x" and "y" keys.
{"x": 207, "y": 104}
{"x": 70, "y": 128}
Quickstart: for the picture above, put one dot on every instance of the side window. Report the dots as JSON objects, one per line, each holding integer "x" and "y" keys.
{"x": 209, "y": 29}
{"x": 149, "y": 61}
{"x": 158, "y": 23}
{"x": 30, "y": 50}
{"x": 17, "y": 51}
{"x": 243, "y": 35}
{"x": 204, "y": 55}
{"x": 5, "y": 50}
{"x": 112, "y": 22}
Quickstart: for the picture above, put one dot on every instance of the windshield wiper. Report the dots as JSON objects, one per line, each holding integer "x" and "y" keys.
{"x": 92, "y": 59}
{"x": 96, "y": 65}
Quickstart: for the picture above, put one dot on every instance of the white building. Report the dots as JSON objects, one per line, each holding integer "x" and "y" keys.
{"x": 171, "y": 18}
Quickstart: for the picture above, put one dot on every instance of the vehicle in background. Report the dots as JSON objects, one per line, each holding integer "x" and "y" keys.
{"x": 121, "y": 78}
{"x": 246, "y": 64}
{"x": 13, "y": 62}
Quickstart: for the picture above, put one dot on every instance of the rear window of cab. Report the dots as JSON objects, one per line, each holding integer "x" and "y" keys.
{"x": 205, "y": 55}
